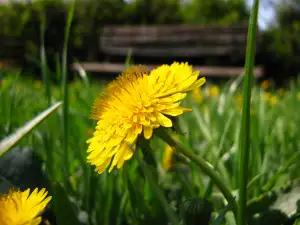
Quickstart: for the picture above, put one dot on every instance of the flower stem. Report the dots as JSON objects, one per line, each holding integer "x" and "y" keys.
{"x": 205, "y": 167}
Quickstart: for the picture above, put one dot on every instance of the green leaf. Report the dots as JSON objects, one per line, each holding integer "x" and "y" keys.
{"x": 65, "y": 212}
{"x": 297, "y": 222}
{"x": 13, "y": 139}
{"x": 244, "y": 147}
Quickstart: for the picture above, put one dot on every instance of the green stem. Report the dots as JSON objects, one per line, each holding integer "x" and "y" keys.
{"x": 245, "y": 126}
{"x": 205, "y": 167}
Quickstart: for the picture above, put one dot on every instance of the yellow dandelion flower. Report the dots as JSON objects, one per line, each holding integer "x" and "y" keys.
{"x": 168, "y": 158}
{"x": 197, "y": 95}
{"x": 135, "y": 103}
{"x": 273, "y": 100}
{"x": 214, "y": 91}
{"x": 22, "y": 208}
{"x": 265, "y": 84}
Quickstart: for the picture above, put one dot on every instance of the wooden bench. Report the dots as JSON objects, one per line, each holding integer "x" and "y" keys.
{"x": 200, "y": 45}
{"x": 12, "y": 52}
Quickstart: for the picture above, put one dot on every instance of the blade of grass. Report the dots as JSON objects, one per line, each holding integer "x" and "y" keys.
{"x": 44, "y": 66}
{"x": 13, "y": 139}
{"x": 220, "y": 153}
{"x": 65, "y": 90}
{"x": 12, "y": 103}
{"x": 128, "y": 61}
{"x": 245, "y": 126}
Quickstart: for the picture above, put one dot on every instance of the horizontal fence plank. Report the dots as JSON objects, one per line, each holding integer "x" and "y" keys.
{"x": 184, "y": 39}
{"x": 7, "y": 40}
{"x": 204, "y": 70}
{"x": 154, "y": 51}
{"x": 175, "y": 40}
{"x": 12, "y": 53}
{"x": 173, "y": 29}
{"x": 12, "y": 49}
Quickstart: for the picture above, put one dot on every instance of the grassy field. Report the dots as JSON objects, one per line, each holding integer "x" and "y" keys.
{"x": 233, "y": 160}
{"x": 129, "y": 196}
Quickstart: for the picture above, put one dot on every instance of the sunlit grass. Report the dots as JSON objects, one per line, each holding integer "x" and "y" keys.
{"x": 212, "y": 130}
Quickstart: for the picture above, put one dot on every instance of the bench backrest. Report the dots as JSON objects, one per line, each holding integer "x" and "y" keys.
{"x": 12, "y": 49}
{"x": 174, "y": 40}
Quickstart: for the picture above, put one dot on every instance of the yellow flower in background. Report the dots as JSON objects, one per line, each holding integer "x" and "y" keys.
{"x": 22, "y": 208}
{"x": 298, "y": 95}
{"x": 270, "y": 98}
{"x": 266, "y": 84}
{"x": 273, "y": 100}
{"x": 168, "y": 158}
{"x": 135, "y": 103}
{"x": 197, "y": 95}
{"x": 267, "y": 96}
{"x": 213, "y": 91}
{"x": 239, "y": 99}
{"x": 2, "y": 82}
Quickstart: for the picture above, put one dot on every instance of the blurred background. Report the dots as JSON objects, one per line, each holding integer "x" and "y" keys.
{"x": 20, "y": 33}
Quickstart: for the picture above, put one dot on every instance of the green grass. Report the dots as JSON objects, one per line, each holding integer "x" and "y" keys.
{"x": 212, "y": 130}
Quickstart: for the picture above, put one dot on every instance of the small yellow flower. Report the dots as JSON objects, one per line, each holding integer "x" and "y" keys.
{"x": 2, "y": 82}
{"x": 22, "y": 208}
{"x": 214, "y": 91}
{"x": 168, "y": 158}
{"x": 197, "y": 95}
{"x": 267, "y": 96}
{"x": 239, "y": 100}
{"x": 273, "y": 100}
{"x": 266, "y": 84}
{"x": 298, "y": 95}
{"x": 135, "y": 103}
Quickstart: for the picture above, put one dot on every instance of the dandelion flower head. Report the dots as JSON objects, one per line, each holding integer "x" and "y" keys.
{"x": 136, "y": 103}
{"x": 22, "y": 208}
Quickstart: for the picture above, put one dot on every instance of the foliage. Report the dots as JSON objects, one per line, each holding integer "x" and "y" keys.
{"x": 281, "y": 42}
{"x": 215, "y": 12}
{"x": 212, "y": 130}
{"x": 26, "y": 21}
